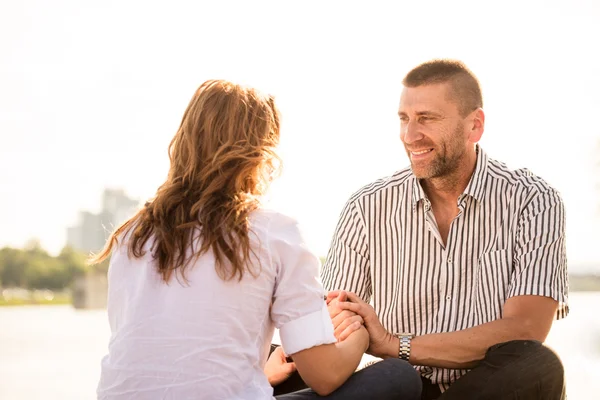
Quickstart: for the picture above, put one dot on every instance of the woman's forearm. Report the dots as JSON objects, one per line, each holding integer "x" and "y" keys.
{"x": 325, "y": 368}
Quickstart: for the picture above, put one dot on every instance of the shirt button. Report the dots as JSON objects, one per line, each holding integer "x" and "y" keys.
{"x": 449, "y": 261}
{"x": 448, "y": 297}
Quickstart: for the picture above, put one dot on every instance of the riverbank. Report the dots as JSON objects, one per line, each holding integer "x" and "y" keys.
{"x": 23, "y": 297}
{"x": 20, "y": 302}
{"x": 584, "y": 283}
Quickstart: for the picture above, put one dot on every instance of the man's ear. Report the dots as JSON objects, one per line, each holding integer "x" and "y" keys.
{"x": 476, "y": 125}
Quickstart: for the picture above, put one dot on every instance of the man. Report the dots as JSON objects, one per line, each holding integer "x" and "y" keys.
{"x": 462, "y": 259}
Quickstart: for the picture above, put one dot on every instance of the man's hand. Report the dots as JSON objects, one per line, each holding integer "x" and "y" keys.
{"x": 277, "y": 369}
{"x": 344, "y": 322}
{"x": 379, "y": 338}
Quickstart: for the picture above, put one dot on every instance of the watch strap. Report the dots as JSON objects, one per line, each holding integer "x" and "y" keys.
{"x": 404, "y": 348}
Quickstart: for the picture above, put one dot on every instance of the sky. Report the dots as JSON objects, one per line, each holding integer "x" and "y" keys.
{"x": 91, "y": 92}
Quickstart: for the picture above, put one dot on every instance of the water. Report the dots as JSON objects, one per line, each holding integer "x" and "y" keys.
{"x": 54, "y": 352}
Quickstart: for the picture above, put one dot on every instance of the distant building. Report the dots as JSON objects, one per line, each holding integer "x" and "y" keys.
{"x": 92, "y": 230}
{"x": 117, "y": 207}
{"x": 89, "y": 235}
{"x": 90, "y": 291}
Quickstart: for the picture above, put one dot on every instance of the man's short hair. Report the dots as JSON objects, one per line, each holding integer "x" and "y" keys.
{"x": 465, "y": 89}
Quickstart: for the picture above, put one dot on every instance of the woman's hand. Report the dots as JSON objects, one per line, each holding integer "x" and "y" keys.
{"x": 380, "y": 340}
{"x": 277, "y": 369}
{"x": 344, "y": 322}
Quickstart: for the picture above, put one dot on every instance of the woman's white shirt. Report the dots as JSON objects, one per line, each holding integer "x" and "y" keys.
{"x": 209, "y": 338}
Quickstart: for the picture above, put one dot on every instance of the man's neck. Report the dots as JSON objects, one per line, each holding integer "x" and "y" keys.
{"x": 445, "y": 190}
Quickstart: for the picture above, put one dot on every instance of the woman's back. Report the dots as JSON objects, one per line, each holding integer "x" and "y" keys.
{"x": 202, "y": 329}
{"x": 209, "y": 338}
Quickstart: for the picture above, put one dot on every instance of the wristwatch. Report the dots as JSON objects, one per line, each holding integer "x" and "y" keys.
{"x": 404, "y": 349}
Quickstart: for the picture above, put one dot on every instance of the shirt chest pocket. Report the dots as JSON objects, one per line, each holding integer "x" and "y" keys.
{"x": 492, "y": 280}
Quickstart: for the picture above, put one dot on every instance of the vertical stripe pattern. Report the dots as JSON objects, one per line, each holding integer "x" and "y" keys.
{"x": 508, "y": 239}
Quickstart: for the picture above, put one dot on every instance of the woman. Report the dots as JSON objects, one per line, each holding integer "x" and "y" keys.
{"x": 200, "y": 276}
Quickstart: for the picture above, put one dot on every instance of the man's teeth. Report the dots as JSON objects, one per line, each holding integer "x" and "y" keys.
{"x": 421, "y": 152}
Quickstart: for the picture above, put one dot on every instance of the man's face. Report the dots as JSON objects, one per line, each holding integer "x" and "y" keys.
{"x": 432, "y": 130}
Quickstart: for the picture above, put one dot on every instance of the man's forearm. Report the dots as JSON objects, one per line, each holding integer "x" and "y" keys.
{"x": 460, "y": 349}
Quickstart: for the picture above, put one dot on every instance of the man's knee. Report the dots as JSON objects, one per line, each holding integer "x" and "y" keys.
{"x": 527, "y": 353}
{"x": 516, "y": 369}
{"x": 524, "y": 348}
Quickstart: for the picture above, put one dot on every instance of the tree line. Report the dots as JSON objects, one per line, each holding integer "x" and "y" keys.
{"x": 33, "y": 268}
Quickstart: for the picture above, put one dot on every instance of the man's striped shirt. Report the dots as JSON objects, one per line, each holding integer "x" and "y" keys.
{"x": 507, "y": 240}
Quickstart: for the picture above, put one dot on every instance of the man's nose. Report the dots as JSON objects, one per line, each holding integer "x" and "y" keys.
{"x": 411, "y": 133}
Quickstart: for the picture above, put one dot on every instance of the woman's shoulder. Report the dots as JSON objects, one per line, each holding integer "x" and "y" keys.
{"x": 279, "y": 229}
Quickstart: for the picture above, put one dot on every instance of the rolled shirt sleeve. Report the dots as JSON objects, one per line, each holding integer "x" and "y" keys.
{"x": 298, "y": 310}
{"x": 540, "y": 252}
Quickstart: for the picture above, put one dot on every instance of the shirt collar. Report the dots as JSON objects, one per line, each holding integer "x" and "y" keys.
{"x": 417, "y": 193}
{"x": 475, "y": 187}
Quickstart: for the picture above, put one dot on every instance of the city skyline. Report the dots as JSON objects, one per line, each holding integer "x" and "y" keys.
{"x": 91, "y": 231}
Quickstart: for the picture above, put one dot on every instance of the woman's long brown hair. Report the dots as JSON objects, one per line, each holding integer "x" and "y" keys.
{"x": 222, "y": 159}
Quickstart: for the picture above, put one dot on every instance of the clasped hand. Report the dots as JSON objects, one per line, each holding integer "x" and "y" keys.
{"x": 349, "y": 312}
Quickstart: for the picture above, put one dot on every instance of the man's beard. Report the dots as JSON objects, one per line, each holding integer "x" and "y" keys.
{"x": 447, "y": 158}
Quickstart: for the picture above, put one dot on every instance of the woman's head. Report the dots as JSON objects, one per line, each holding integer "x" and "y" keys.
{"x": 222, "y": 159}
{"x": 226, "y": 141}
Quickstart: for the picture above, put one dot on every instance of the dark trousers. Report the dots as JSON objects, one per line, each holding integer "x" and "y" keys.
{"x": 390, "y": 379}
{"x": 516, "y": 370}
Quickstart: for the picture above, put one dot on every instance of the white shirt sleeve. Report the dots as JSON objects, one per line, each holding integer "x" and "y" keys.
{"x": 299, "y": 310}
